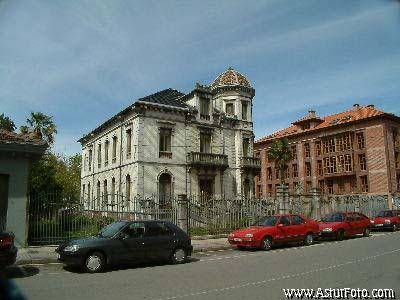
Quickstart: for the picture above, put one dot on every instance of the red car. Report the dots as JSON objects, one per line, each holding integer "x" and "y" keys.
{"x": 341, "y": 225}
{"x": 388, "y": 219}
{"x": 276, "y": 229}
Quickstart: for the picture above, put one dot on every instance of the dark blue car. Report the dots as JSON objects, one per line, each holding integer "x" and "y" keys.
{"x": 127, "y": 242}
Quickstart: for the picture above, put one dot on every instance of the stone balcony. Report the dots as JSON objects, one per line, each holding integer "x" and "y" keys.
{"x": 207, "y": 160}
{"x": 250, "y": 163}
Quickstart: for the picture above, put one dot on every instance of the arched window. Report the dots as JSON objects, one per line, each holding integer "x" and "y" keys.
{"x": 113, "y": 190}
{"x": 164, "y": 188}
{"x": 98, "y": 193}
{"x": 105, "y": 193}
{"x": 128, "y": 191}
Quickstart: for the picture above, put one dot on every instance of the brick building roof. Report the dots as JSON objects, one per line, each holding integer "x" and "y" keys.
{"x": 358, "y": 113}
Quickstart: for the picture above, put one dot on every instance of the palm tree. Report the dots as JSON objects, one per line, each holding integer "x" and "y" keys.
{"x": 6, "y": 123}
{"x": 43, "y": 126}
{"x": 281, "y": 154}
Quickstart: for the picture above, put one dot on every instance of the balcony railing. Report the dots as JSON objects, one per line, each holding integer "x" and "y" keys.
{"x": 250, "y": 162}
{"x": 207, "y": 159}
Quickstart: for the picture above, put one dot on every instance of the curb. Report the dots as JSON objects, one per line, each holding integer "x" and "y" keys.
{"x": 55, "y": 260}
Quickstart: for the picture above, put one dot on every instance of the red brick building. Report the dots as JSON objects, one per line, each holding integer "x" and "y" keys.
{"x": 356, "y": 151}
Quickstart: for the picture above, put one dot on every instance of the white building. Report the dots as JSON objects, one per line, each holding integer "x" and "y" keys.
{"x": 170, "y": 143}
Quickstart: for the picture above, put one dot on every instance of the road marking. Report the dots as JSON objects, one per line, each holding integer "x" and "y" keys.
{"x": 328, "y": 268}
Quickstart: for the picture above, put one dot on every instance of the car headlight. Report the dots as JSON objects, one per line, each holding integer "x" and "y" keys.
{"x": 249, "y": 235}
{"x": 231, "y": 235}
{"x": 328, "y": 229}
{"x": 72, "y": 248}
{"x": 372, "y": 221}
{"x": 387, "y": 221}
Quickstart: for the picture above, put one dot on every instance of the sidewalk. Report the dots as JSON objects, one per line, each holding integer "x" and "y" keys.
{"x": 46, "y": 254}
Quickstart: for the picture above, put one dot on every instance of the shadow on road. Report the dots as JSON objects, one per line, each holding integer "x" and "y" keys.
{"x": 19, "y": 271}
{"x": 114, "y": 268}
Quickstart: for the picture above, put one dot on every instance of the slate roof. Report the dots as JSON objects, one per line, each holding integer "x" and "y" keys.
{"x": 346, "y": 117}
{"x": 166, "y": 97}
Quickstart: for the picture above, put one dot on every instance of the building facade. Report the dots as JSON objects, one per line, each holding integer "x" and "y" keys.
{"x": 170, "y": 143}
{"x": 356, "y": 151}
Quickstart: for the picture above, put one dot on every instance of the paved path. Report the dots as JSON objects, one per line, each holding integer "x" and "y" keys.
{"x": 231, "y": 274}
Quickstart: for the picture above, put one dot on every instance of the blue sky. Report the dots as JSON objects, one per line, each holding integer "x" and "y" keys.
{"x": 84, "y": 61}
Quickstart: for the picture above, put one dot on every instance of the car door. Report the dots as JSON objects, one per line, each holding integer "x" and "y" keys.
{"x": 132, "y": 246}
{"x": 283, "y": 233}
{"x": 298, "y": 228}
{"x": 158, "y": 240}
{"x": 350, "y": 224}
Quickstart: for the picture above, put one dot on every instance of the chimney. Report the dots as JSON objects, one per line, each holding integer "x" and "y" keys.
{"x": 371, "y": 106}
{"x": 356, "y": 106}
{"x": 311, "y": 113}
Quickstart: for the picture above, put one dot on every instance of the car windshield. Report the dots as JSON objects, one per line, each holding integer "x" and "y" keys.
{"x": 112, "y": 229}
{"x": 333, "y": 218}
{"x": 266, "y": 221}
{"x": 386, "y": 213}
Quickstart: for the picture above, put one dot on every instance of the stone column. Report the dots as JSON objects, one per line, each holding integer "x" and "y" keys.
{"x": 282, "y": 195}
{"x": 183, "y": 212}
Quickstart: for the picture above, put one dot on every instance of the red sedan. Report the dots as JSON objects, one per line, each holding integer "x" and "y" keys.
{"x": 341, "y": 225}
{"x": 388, "y": 219}
{"x": 276, "y": 229}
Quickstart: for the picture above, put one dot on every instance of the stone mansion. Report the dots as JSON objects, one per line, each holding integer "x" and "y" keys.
{"x": 170, "y": 143}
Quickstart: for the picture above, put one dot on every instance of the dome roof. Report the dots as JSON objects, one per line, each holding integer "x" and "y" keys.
{"x": 229, "y": 78}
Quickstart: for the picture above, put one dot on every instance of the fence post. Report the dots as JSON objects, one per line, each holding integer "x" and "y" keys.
{"x": 183, "y": 221}
{"x": 283, "y": 199}
{"x": 315, "y": 207}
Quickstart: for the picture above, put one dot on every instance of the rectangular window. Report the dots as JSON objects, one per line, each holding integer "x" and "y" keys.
{"x": 244, "y": 110}
{"x": 329, "y": 145}
{"x": 362, "y": 162}
{"x": 364, "y": 184}
{"x": 308, "y": 186}
{"x": 106, "y": 146}
{"x": 398, "y": 182}
{"x": 348, "y": 163}
{"x": 205, "y": 143}
{"x": 114, "y": 149}
{"x": 270, "y": 191}
{"x": 205, "y": 109}
{"x": 330, "y": 165}
{"x": 308, "y": 169}
{"x": 360, "y": 140}
{"x": 329, "y": 186}
{"x": 246, "y": 145}
{"x": 342, "y": 186}
{"x": 90, "y": 159}
{"x": 85, "y": 163}
{"x": 307, "y": 150}
{"x": 287, "y": 172}
{"x": 318, "y": 150}
{"x": 276, "y": 173}
{"x": 128, "y": 143}
{"x": 321, "y": 186}
{"x": 295, "y": 172}
{"x": 397, "y": 158}
{"x": 269, "y": 173}
{"x": 99, "y": 156}
{"x": 293, "y": 149}
{"x": 230, "y": 109}
{"x": 320, "y": 170}
{"x": 165, "y": 143}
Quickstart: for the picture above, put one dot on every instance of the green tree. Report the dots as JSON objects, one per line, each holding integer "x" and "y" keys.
{"x": 280, "y": 153}
{"x": 6, "y": 123}
{"x": 42, "y": 125}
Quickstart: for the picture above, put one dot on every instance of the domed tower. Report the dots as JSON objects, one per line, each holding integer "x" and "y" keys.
{"x": 233, "y": 95}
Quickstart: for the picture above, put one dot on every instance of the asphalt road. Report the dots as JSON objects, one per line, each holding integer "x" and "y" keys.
{"x": 231, "y": 274}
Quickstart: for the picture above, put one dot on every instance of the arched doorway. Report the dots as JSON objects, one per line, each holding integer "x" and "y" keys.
{"x": 164, "y": 189}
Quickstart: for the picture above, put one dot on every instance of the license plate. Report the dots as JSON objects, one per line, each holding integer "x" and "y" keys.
{"x": 378, "y": 225}
{"x": 237, "y": 239}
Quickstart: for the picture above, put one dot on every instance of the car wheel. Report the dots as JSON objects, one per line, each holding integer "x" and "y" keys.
{"x": 266, "y": 244}
{"x": 179, "y": 256}
{"x": 309, "y": 240}
{"x": 94, "y": 262}
{"x": 394, "y": 227}
{"x": 367, "y": 231}
{"x": 340, "y": 235}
